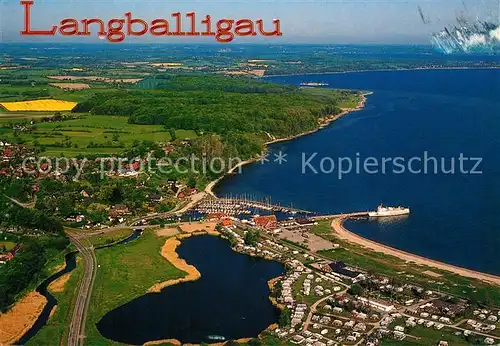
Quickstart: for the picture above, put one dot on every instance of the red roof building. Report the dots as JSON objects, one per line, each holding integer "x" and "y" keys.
{"x": 267, "y": 222}
{"x": 226, "y": 222}
{"x": 216, "y": 216}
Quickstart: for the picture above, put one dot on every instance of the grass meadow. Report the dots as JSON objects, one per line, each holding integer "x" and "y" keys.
{"x": 91, "y": 134}
{"x": 126, "y": 272}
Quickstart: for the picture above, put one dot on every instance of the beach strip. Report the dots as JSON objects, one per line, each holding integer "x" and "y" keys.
{"x": 168, "y": 251}
{"x": 344, "y": 234}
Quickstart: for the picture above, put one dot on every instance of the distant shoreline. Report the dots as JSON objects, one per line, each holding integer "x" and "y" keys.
{"x": 382, "y": 70}
{"x": 326, "y": 122}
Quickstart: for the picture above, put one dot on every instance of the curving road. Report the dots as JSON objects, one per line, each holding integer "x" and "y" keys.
{"x": 77, "y": 325}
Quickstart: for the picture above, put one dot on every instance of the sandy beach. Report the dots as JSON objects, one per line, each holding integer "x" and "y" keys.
{"x": 58, "y": 285}
{"x": 344, "y": 234}
{"x": 18, "y": 320}
{"x": 169, "y": 252}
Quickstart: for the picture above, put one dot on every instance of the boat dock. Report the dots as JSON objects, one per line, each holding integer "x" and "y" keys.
{"x": 235, "y": 206}
{"x": 360, "y": 214}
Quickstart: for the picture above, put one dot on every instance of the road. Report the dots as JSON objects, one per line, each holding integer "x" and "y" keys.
{"x": 77, "y": 325}
{"x": 313, "y": 309}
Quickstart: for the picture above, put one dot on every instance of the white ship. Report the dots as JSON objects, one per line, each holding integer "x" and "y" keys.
{"x": 389, "y": 211}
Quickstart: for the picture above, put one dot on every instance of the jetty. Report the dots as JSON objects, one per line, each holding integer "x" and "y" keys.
{"x": 245, "y": 205}
{"x": 359, "y": 214}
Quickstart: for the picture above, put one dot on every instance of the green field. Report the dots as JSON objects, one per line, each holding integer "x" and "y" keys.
{"x": 13, "y": 93}
{"x": 126, "y": 272}
{"x": 423, "y": 336}
{"x": 6, "y": 246}
{"x": 110, "y": 237}
{"x": 92, "y": 134}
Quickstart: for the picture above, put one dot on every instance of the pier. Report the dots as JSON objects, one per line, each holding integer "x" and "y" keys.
{"x": 360, "y": 214}
{"x": 245, "y": 205}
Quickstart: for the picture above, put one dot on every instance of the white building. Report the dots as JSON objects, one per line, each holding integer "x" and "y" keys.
{"x": 378, "y": 304}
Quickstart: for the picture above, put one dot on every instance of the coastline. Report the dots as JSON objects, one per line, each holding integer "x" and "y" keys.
{"x": 322, "y": 124}
{"x": 382, "y": 70}
{"x": 344, "y": 234}
{"x": 169, "y": 252}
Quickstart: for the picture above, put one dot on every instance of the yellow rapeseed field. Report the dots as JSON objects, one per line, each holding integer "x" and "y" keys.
{"x": 38, "y": 106}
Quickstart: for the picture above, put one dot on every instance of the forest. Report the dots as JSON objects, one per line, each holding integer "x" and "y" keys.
{"x": 227, "y": 106}
{"x": 27, "y": 268}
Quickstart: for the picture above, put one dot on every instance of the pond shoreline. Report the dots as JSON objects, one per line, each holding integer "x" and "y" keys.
{"x": 169, "y": 252}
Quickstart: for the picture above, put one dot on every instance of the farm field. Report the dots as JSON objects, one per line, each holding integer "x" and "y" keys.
{"x": 38, "y": 106}
{"x": 127, "y": 271}
{"x": 17, "y": 117}
{"x": 93, "y": 134}
{"x": 6, "y": 245}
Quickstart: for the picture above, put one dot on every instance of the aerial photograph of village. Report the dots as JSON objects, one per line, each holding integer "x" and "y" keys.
{"x": 324, "y": 173}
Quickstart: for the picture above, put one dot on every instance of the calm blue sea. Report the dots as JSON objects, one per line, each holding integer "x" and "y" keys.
{"x": 455, "y": 218}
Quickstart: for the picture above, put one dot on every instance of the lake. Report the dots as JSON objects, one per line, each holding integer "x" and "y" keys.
{"x": 231, "y": 300}
{"x": 444, "y": 114}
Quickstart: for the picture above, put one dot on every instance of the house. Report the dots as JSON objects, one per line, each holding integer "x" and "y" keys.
{"x": 305, "y": 222}
{"x": 84, "y": 194}
{"x": 119, "y": 209}
{"x": 4, "y": 259}
{"x": 492, "y": 318}
{"x": 127, "y": 173}
{"x": 7, "y": 153}
{"x": 10, "y": 255}
{"x": 399, "y": 328}
{"x": 489, "y": 341}
{"x": 155, "y": 198}
{"x": 226, "y": 222}
{"x": 267, "y": 222}
{"x": 411, "y": 323}
{"x": 399, "y": 335}
{"x": 342, "y": 270}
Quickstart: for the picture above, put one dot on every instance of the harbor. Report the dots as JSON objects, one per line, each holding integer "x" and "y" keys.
{"x": 244, "y": 205}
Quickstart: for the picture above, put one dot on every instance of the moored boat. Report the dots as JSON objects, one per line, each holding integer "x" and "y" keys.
{"x": 389, "y": 211}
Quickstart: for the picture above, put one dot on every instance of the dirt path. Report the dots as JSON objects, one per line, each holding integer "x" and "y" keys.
{"x": 343, "y": 233}
{"x": 194, "y": 200}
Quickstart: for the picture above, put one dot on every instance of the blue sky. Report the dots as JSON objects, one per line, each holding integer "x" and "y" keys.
{"x": 313, "y": 21}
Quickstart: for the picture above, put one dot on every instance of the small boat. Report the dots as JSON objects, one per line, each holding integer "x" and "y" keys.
{"x": 216, "y": 338}
{"x": 389, "y": 211}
